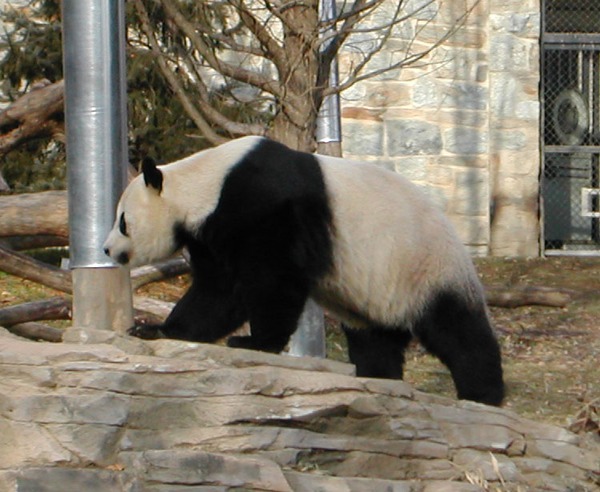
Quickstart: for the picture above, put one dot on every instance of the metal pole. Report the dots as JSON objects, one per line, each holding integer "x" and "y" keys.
{"x": 96, "y": 123}
{"x": 309, "y": 338}
{"x": 329, "y": 127}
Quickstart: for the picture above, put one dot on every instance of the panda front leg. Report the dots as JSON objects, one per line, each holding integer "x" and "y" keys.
{"x": 377, "y": 352}
{"x": 274, "y": 307}
{"x": 204, "y": 314}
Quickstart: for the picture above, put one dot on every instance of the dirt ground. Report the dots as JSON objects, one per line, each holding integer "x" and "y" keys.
{"x": 551, "y": 355}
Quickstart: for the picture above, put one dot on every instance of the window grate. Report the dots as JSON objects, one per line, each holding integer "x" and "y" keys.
{"x": 571, "y": 125}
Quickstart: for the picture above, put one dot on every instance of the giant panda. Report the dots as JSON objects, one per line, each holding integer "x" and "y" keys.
{"x": 267, "y": 227}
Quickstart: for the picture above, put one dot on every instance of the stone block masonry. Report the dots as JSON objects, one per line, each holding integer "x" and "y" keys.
{"x": 464, "y": 121}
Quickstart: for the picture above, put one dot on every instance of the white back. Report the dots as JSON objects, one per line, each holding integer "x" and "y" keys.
{"x": 392, "y": 246}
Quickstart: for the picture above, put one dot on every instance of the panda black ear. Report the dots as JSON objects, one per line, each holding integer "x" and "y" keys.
{"x": 152, "y": 175}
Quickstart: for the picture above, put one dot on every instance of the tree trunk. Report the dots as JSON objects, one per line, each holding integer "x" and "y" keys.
{"x": 295, "y": 121}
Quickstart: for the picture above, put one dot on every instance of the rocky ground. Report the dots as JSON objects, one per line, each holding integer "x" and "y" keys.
{"x": 125, "y": 415}
{"x": 120, "y": 414}
{"x": 550, "y": 354}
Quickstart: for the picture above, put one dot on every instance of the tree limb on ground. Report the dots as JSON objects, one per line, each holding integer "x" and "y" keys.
{"x": 517, "y": 296}
{"x": 22, "y": 319}
{"x": 47, "y": 309}
{"x": 26, "y": 267}
{"x": 28, "y": 214}
{"x": 37, "y": 331}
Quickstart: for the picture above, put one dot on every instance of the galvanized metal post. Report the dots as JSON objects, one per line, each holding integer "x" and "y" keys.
{"x": 329, "y": 126}
{"x": 309, "y": 338}
{"x": 96, "y": 122}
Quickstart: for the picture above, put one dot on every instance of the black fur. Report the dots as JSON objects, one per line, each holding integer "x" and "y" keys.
{"x": 259, "y": 254}
{"x": 456, "y": 333}
{"x": 152, "y": 175}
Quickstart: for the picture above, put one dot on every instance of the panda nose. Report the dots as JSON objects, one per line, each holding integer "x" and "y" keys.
{"x": 107, "y": 251}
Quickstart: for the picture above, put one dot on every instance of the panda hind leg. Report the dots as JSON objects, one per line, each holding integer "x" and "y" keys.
{"x": 460, "y": 335}
{"x": 377, "y": 352}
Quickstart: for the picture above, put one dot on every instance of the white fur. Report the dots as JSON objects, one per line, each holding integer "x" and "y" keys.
{"x": 392, "y": 247}
{"x": 191, "y": 188}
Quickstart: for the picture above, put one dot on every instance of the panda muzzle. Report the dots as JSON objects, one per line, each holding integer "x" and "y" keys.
{"x": 122, "y": 258}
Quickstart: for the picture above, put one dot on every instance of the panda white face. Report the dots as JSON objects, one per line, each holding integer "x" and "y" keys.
{"x": 144, "y": 228}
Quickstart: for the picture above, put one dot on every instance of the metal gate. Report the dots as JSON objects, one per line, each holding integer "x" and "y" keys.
{"x": 571, "y": 126}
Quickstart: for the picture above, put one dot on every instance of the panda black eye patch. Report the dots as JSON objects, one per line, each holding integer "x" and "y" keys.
{"x": 123, "y": 225}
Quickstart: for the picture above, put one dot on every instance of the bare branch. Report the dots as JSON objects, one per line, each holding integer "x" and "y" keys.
{"x": 235, "y": 72}
{"x": 174, "y": 83}
{"x": 272, "y": 49}
{"x": 411, "y": 58}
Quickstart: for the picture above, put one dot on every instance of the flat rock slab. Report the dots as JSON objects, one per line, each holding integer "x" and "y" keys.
{"x": 121, "y": 414}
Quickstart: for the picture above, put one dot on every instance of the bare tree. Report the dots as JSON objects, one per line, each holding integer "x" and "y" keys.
{"x": 275, "y": 54}
{"x": 237, "y": 67}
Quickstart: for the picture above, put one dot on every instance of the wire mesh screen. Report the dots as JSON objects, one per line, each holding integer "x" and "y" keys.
{"x": 575, "y": 16}
{"x": 571, "y": 124}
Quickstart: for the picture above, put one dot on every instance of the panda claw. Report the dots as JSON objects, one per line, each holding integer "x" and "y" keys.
{"x": 146, "y": 332}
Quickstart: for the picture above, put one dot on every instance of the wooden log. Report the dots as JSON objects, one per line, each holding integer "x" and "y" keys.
{"x": 36, "y": 114}
{"x": 37, "y": 331}
{"x": 159, "y": 309}
{"x": 518, "y": 296}
{"x": 158, "y": 271}
{"x": 24, "y": 266}
{"x": 52, "y": 308}
{"x": 20, "y": 243}
{"x": 26, "y": 214}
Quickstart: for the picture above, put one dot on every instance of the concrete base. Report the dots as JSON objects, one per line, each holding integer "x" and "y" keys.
{"x": 102, "y": 299}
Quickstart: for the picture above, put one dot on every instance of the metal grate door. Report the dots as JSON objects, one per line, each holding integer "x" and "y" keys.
{"x": 571, "y": 126}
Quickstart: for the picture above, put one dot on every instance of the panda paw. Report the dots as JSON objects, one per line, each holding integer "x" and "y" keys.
{"x": 241, "y": 342}
{"x": 146, "y": 332}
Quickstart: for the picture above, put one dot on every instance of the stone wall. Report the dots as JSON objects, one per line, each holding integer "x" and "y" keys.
{"x": 464, "y": 121}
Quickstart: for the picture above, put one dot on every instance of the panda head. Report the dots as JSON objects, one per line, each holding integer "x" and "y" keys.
{"x": 146, "y": 221}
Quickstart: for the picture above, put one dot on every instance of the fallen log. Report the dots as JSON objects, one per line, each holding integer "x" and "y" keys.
{"x": 21, "y": 319}
{"x": 26, "y": 214}
{"x": 37, "y": 331}
{"x": 527, "y": 296}
{"x": 159, "y": 309}
{"x": 158, "y": 271}
{"x": 20, "y": 243}
{"x": 53, "y": 308}
{"x": 26, "y": 267}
